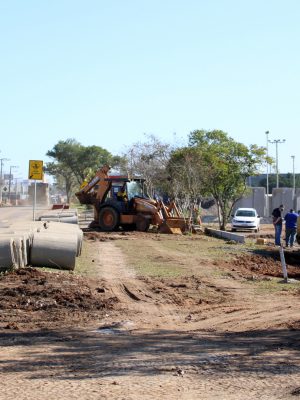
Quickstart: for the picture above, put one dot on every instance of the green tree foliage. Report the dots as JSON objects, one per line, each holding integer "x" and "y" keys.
{"x": 74, "y": 162}
{"x": 285, "y": 180}
{"x": 224, "y": 168}
{"x": 65, "y": 180}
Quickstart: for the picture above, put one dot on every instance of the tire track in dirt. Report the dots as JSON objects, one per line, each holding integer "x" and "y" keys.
{"x": 165, "y": 356}
{"x": 242, "y": 308}
{"x": 211, "y": 368}
{"x": 140, "y": 303}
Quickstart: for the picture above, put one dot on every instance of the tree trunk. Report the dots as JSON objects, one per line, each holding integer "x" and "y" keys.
{"x": 219, "y": 214}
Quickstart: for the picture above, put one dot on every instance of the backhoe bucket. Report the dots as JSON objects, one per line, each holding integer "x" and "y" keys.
{"x": 175, "y": 225}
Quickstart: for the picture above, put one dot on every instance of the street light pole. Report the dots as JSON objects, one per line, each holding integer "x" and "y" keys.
{"x": 9, "y": 182}
{"x": 267, "y": 202}
{"x": 277, "y": 141}
{"x": 294, "y": 179}
{"x": 1, "y": 176}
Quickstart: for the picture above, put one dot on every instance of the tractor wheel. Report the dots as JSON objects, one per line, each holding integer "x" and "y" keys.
{"x": 142, "y": 223}
{"x": 108, "y": 219}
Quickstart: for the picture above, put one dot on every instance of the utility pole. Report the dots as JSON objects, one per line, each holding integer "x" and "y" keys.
{"x": 267, "y": 202}
{"x": 294, "y": 179}
{"x": 276, "y": 142}
{"x": 1, "y": 176}
{"x": 9, "y": 182}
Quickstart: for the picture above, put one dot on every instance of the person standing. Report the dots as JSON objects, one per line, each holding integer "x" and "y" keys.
{"x": 290, "y": 227}
{"x": 277, "y": 222}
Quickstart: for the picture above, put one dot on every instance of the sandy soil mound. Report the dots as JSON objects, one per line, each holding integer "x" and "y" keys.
{"x": 268, "y": 264}
{"x": 32, "y": 298}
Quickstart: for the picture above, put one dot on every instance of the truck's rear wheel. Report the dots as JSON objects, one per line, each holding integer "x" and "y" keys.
{"x": 108, "y": 219}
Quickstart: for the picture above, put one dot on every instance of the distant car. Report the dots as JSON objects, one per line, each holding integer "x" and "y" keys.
{"x": 245, "y": 219}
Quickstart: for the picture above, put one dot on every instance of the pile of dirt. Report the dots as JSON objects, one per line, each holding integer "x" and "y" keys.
{"x": 266, "y": 265}
{"x": 31, "y": 298}
{"x": 93, "y": 235}
{"x": 183, "y": 291}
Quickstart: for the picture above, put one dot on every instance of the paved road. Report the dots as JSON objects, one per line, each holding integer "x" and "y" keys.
{"x": 16, "y": 215}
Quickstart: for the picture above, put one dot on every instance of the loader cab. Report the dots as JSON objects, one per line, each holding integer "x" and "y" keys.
{"x": 133, "y": 188}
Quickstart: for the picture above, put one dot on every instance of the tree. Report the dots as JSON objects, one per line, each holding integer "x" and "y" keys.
{"x": 148, "y": 159}
{"x": 65, "y": 180}
{"x": 226, "y": 165}
{"x": 74, "y": 162}
{"x": 285, "y": 180}
{"x": 185, "y": 176}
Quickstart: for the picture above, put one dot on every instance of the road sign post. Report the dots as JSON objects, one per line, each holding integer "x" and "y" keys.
{"x": 36, "y": 173}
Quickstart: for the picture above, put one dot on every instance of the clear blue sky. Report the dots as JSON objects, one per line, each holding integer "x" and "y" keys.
{"x": 106, "y": 72}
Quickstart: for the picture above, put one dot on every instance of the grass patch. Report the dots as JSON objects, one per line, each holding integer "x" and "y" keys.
{"x": 274, "y": 285}
{"x": 150, "y": 259}
{"x": 170, "y": 256}
{"x": 154, "y": 269}
{"x": 84, "y": 264}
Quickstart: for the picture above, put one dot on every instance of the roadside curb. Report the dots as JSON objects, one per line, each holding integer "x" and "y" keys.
{"x": 225, "y": 235}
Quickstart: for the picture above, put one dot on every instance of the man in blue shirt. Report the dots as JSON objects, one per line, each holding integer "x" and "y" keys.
{"x": 290, "y": 227}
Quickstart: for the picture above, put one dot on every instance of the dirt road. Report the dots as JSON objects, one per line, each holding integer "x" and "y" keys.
{"x": 153, "y": 316}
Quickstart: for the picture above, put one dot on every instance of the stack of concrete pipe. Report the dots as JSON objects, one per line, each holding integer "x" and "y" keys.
{"x": 66, "y": 216}
{"x": 43, "y": 244}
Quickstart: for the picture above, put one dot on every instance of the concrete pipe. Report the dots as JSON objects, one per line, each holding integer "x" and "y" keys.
{"x": 49, "y": 219}
{"x": 25, "y": 245}
{"x": 66, "y": 229}
{"x": 67, "y": 214}
{"x": 51, "y": 215}
{"x": 8, "y": 254}
{"x": 26, "y": 235}
{"x": 21, "y": 260}
{"x": 67, "y": 220}
{"x": 57, "y": 215}
{"x": 22, "y": 246}
{"x": 59, "y": 226}
{"x": 50, "y": 249}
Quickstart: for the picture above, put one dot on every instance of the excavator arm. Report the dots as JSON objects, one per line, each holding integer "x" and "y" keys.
{"x": 96, "y": 190}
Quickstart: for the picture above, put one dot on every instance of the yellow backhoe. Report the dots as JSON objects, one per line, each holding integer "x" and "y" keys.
{"x": 119, "y": 201}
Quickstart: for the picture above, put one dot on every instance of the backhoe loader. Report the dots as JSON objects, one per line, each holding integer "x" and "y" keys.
{"x": 119, "y": 201}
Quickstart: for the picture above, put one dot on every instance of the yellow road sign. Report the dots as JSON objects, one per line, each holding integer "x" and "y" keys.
{"x": 36, "y": 170}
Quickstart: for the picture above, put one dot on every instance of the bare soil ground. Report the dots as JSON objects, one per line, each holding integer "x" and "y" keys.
{"x": 150, "y": 316}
